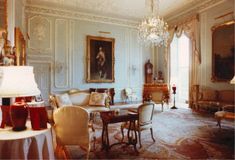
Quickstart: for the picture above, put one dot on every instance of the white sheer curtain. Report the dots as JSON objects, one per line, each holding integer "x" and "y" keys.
{"x": 192, "y": 31}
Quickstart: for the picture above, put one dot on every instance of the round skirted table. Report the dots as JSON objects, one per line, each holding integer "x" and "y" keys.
{"x": 26, "y": 144}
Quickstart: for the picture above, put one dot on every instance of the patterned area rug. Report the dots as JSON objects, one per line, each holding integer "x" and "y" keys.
{"x": 179, "y": 134}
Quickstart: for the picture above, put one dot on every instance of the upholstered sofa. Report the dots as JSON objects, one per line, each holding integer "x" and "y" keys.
{"x": 85, "y": 99}
{"x": 212, "y": 100}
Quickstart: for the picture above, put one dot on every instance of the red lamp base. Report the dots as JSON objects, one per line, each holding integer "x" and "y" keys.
{"x": 19, "y": 128}
{"x": 19, "y": 114}
{"x": 6, "y": 120}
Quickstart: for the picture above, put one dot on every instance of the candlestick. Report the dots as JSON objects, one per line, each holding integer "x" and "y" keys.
{"x": 174, "y": 92}
{"x": 174, "y": 89}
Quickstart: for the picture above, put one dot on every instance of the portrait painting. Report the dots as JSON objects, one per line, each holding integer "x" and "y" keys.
{"x": 223, "y": 52}
{"x": 100, "y": 59}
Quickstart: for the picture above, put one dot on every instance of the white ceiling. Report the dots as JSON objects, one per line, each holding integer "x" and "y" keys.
{"x": 128, "y": 9}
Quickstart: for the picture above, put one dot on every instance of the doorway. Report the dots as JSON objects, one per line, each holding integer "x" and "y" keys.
{"x": 179, "y": 67}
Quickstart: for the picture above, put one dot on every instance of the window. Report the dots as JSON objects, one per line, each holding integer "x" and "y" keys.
{"x": 179, "y": 67}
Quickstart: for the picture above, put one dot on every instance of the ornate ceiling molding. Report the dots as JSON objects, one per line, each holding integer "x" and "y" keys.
{"x": 194, "y": 8}
{"x": 191, "y": 10}
{"x": 79, "y": 16}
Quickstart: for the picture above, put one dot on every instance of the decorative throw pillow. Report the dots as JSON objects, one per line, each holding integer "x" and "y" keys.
{"x": 63, "y": 100}
{"x": 80, "y": 98}
{"x": 97, "y": 99}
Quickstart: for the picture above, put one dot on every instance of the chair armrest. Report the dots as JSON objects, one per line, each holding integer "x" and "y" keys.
{"x": 229, "y": 108}
{"x": 52, "y": 101}
{"x": 91, "y": 127}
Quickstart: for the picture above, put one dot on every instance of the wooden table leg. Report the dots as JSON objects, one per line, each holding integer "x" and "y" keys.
{"x": 105, "y": 137}
{"x": 132, "y": 140}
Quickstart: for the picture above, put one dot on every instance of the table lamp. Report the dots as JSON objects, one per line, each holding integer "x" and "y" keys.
{"x": 15, "y": 82}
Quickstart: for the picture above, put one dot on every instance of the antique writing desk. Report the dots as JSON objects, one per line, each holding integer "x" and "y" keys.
{"x": 155, "y": 87}
{"x": 110, "y": 117}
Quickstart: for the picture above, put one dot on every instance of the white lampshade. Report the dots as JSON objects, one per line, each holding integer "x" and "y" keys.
{"x": 17, "y": 81}
{"x": 233, "y": 80}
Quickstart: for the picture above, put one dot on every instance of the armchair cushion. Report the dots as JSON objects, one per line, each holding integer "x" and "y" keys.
{"x": 97, "y": 99}
{"x": 63, "y": 100}
{"x": 80, "y": 98}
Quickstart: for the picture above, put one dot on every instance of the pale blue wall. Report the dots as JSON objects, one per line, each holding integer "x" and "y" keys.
{"x": 129, "y": 54}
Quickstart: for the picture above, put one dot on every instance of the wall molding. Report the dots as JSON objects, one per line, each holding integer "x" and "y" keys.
{"x": 79, "y": 16}
{"x": 59, "y": 66}
{"x": 39, "y": 70}
{"x": 40, "y": 50}
{"x": 71, "y": 50}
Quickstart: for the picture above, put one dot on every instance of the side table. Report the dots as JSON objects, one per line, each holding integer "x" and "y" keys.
{"x": 26, "y": 144}
{"x": 110, "y": 117}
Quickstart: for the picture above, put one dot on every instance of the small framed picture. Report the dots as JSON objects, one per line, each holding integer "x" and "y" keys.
{"x": 38, "y": 98}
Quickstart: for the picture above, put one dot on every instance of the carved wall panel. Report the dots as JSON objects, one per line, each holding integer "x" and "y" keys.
{"x": 68, "y": 54}
{"x": 39, "y": 29}
{"x": 61, "y": 63}
{"x": 42, "y": 77}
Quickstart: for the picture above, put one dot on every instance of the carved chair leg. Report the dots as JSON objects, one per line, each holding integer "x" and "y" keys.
{"x": 94, "y": 139}
{"x": 122, "y": 128}
{"x": 61, "y": 152}
{"x": 57, "y": 151}
{"x": 219, "y": 122}
{"x": 151, "y": 130}
{"x": 162, "y": 107}
{"x": 139, "y": 133}
{"x": 88, "y": 154}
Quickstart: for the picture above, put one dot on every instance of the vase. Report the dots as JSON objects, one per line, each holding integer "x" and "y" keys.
{"x": 19, "y": 114}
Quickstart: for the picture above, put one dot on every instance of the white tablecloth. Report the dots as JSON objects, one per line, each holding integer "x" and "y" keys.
{"x": 27, "y": 144}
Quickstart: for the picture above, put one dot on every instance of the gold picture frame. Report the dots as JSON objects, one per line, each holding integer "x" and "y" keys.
{"x": 223, "y": 52}
{"x": 3, "y": 15}
{"x": 100, "y": 59}
{"x": 20, "y": 48}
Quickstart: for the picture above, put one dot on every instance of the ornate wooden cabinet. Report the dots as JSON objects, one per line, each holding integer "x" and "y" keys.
{"x": 156, "y": 87}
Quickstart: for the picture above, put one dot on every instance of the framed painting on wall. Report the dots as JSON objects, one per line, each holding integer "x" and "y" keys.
{"x": 223, "y": 52}
{"x": 100, "y": 59}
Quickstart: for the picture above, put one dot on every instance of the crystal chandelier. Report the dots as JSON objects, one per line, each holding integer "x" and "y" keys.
{"x": 153, "y": 30}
